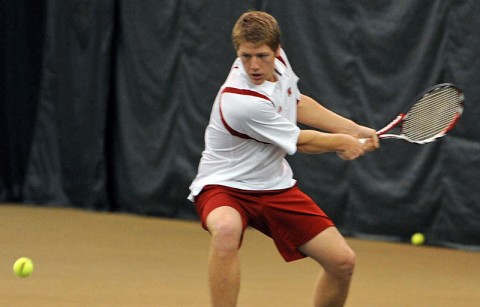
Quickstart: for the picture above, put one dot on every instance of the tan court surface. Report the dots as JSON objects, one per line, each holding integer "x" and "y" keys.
{"x": 102, "y": 259}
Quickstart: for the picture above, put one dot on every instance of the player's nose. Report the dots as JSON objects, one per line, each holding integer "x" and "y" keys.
{"x": 254, "y": 64}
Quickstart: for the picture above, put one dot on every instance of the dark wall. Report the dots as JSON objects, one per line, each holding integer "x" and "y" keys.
{"x": 104, "y": 104}
{"x": 21, "y": 49}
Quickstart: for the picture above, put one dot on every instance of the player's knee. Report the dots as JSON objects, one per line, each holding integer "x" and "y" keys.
{"x": 226, "y": 230}
{"x": 226, "y": 235}
{"x": 345, "y": 264}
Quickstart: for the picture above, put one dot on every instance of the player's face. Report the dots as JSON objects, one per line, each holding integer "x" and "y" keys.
{"x": 259, "y": 62}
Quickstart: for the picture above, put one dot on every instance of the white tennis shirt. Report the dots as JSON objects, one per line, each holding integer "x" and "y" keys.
{"x": 251, "y": 129}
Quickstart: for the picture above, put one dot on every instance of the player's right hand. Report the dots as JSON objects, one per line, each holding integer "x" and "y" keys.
{"x": 370, "y": 144}
{"x": 352, "y": 149}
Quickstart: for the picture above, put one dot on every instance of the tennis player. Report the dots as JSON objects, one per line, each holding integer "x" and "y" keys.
{"x": 244, "y": 180}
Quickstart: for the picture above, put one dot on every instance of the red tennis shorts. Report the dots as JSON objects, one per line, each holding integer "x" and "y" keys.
{"x": 288, "y": 216}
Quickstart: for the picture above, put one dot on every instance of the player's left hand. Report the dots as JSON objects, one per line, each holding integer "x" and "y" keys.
{"x": 370, "y": 144}
{"x": 369, "y": 138}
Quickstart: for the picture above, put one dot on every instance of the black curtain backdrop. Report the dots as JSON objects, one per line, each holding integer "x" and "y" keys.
{"x": 104, "y": 105}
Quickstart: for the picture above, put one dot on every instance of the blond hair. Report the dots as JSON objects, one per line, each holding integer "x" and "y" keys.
{"x": 258, "y": 28}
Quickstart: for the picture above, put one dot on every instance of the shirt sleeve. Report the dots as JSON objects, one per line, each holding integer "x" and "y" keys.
{"x": 257, "y": 118}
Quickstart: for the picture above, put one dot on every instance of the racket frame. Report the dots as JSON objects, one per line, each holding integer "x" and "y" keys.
{"x": 382, "y": 133}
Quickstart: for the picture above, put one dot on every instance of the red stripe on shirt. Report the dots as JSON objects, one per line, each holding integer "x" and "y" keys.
{"x": 282, "y": 60}
{"x": 239, "y": 91}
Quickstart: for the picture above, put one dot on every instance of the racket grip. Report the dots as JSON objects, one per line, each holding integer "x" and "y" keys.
{"x": 364, "y": 140}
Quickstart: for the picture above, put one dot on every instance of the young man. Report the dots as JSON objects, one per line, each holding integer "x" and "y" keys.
{"x": 244, "y": 180}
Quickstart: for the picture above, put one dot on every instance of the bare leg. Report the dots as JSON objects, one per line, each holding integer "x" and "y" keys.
{"x": 225, "y": 226}
{"x": 331, "y": 250}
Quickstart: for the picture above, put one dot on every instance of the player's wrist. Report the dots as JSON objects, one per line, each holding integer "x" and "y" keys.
{"x": 350, "y": 128}
{"x": 343, "y": 141}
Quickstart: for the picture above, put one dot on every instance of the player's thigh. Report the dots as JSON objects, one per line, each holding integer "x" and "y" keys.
{"x": 330, "y": 249}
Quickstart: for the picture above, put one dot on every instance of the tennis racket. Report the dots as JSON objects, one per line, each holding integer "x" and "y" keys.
{"x": 433, "y": 113}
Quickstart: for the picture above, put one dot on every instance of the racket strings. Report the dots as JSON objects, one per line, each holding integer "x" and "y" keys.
{"x": 432, "y": 115}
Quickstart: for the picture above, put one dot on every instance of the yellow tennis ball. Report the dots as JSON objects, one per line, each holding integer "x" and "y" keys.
{"x": 23, "y": 267}
{"x": 418, "y": 238}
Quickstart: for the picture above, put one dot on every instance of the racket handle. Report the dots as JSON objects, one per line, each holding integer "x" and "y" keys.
{"x": 364, "y": 140}
{"x": 379, "y": 134}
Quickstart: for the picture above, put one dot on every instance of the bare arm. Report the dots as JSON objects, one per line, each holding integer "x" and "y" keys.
{"x": 342, "y": 136}
{"x": 313, "y": 114}
{"x": 314, "y": 142}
